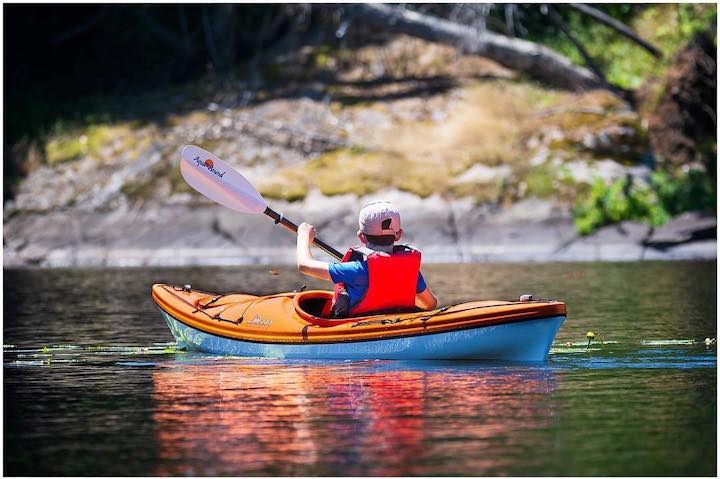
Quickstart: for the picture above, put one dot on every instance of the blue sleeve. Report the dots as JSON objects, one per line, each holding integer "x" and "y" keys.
{"x": 421, "y": 286}
{"x": 350, "y": 272}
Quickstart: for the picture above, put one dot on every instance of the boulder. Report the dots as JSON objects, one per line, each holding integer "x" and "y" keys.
{"x": 684, "y": 228}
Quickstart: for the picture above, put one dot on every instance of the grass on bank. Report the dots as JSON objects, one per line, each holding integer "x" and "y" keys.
{"x": 90, "y": 141}
{"x": 488, "y": 128}
{"x": 425, "y": 157}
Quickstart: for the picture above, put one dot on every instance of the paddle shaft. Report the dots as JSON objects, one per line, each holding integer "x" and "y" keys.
{"x": 280, "y": 219}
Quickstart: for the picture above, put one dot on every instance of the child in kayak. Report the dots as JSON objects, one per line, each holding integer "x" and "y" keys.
{"x": 375, "y": 277}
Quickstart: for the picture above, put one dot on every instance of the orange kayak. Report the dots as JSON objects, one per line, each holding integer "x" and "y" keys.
{"x": 290, "y": 325}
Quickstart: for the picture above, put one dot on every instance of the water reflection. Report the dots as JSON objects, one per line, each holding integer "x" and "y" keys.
{"x": 378, "y": 419}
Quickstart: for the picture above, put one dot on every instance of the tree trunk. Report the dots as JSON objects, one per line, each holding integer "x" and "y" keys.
{"x": 536, "y": 60}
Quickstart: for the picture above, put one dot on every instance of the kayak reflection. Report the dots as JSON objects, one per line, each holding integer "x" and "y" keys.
{"x": 305, "y": 418}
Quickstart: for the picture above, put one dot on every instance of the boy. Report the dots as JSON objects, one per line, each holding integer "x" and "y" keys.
{"x": 378, "y": 276}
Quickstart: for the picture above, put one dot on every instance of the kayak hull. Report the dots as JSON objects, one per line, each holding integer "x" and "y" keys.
{"x": 524, "y": 341}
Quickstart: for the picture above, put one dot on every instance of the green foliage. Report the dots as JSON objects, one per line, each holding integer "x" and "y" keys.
{"x": 667, "y": 26}
{"x": 694, "y": 190}
{"x": 654, "y": 203}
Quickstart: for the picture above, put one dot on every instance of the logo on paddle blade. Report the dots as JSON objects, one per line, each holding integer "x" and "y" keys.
{"x": 209, "y": 164}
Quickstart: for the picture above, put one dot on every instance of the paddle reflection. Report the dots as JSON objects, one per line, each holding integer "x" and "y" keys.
{"x": 378, "y": 419}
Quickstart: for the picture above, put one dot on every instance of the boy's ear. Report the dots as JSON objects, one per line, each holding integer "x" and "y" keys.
{"x": 361, "y": 236}
{"x": 398, "y": 235}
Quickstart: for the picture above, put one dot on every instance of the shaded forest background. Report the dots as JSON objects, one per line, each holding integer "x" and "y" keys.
{"x": 74, "y": 66}
{"x": 60, "y": 56}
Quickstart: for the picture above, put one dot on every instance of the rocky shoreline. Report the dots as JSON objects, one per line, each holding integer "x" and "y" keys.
{"x": 192, "y": 234}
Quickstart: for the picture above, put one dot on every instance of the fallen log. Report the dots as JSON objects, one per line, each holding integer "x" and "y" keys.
{"x": 532, "y": 58}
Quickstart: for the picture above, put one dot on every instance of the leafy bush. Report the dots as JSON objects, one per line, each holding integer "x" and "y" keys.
{"x": 693, "y": 190}
{"x": 652, "y": 203}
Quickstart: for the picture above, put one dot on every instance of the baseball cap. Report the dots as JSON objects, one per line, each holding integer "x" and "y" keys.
{"x": 379, "y": 218}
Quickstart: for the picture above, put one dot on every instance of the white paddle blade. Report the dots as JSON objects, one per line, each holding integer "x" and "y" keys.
{"x": 220, "y": 182}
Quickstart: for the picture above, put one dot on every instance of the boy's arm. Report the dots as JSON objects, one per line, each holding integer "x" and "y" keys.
{"x": 426, "y": 299}
{"x": 305, "y": 261}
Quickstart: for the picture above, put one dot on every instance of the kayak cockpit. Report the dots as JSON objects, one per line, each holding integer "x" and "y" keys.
{"x": 314, "y": 307}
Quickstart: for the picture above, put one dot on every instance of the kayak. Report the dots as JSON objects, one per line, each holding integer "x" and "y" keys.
{"x": 292, "y": 326}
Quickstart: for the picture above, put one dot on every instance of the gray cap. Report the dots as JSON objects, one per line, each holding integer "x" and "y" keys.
{"x": 379, "y": 218}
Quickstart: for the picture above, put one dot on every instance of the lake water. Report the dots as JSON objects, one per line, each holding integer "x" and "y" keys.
{"x": 94, "y": 386}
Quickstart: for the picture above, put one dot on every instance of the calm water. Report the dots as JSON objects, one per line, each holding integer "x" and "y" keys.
{"x": 93, "y": 384}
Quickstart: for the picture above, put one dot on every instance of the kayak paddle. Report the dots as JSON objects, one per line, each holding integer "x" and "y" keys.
{"x": 209, "y": 175}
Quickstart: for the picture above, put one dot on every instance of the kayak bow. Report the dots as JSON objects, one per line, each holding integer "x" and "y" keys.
{"x": 290, "y": 325}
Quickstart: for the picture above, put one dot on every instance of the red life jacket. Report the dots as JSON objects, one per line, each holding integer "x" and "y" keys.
{"x": 392, "y": 280}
